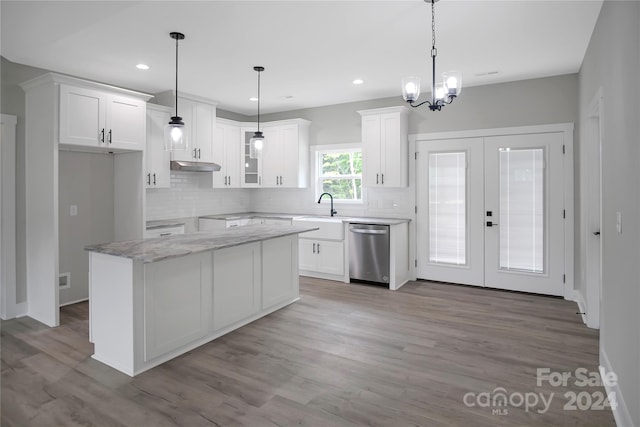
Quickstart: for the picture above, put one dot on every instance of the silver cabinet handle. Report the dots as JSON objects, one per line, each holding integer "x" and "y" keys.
{"x": 199, "y": 153}
{"x": 314, "y": 248}
{"x": 165, "y": 234}
{"x": 225, "y": 180}
{"x": 596, "y": 233}
{"x": 318, "y": 247}
{"x": 195, "y": 153}
{"x": 154, "y": 179}
{"x": 382, "y": 179}
{"x": 102, "y": 135}
{"x": 491, "y": 224}
{"x": 229, "y": 179}
{"x": 110, "y": 139}
{"x": 148, "y": 179}
{"x": 377, "y": 179}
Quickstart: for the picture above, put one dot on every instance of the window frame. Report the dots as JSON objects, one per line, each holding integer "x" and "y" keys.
{"x": 317, "y": 152}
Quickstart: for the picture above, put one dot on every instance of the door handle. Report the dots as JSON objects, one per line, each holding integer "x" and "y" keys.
{"x": 154, "y": 179}
{"x": 382, "y": 179}
{"x": 229, "y": 179}
{"x": 596, "y": 233}
{"x": 377, "y": 182}
{"x": 110, "y": 136}
{"x": 225, "y": 180}
{"x": 318, "y": 247}
{"x": 148, "y": 179}
{"x": 102, "y": 135}
{"x": 314, "y": 248}
{"x": 491, "y": 224}
{"x": 199, "y": 154}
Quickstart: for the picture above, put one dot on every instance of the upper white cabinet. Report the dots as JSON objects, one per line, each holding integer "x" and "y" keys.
{"x": 157, "y": 174}
{"x": 199, "y": 116}
{"x": 385, "y": 147}
{"x": 284, "y": 159}
{"x": 285, "y": 156}
{"x": 227, "y": 149}
{"x": 100, "y": 119}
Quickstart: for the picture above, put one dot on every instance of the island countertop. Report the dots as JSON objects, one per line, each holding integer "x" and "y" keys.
{"x": 161, "y": 248}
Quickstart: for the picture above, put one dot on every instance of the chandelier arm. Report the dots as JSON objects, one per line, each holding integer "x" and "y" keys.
{"x": 418, "y": 105}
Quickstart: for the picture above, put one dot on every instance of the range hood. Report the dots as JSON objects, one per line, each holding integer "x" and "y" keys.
{"x": 183, "y": 165}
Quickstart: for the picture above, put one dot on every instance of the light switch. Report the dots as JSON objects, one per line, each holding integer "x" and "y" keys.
{"x": 73, "y": 210}
{"x": 619, "y": 222}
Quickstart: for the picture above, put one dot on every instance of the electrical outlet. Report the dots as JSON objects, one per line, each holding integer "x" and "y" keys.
{"x": 73, "y": 210}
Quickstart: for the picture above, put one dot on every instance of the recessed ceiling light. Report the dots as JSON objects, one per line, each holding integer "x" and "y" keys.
{"x": 253, "y": 99}
{"x": 142, "y": 67}
{"x": 358, "y": 81}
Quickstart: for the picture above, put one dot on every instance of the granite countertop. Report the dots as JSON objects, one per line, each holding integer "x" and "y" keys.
{"x": 161, "y": 248}
{"x": 154, "y": 225}
{"x": 360, "y": 220}
{"x": 249, "y": 215}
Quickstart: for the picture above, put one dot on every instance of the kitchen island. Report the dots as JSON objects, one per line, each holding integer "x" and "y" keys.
{"x": 152, "y": 300}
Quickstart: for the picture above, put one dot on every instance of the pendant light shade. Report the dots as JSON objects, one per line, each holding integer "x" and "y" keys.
{"x": 175, "y": 137}
{"x": 257, "y": 141}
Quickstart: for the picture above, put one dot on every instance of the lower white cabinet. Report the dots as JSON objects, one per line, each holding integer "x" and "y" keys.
{"x": 180, "y": 290}
{"x": 279, "y": 271}
{"x": 236, "y": 293}
{"x": 322, "y": 256}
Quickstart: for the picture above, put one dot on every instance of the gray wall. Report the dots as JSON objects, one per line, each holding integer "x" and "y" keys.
{"x": 612, "y": 62}
{"x": 528, "y": 102}
{"x": 86, "y": 180}
{"x": 12, "y": 102}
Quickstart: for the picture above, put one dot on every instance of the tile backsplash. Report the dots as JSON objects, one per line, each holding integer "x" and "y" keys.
{"x": 191, "y": 195}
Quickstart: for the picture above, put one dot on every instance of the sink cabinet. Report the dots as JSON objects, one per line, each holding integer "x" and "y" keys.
{"x": 321, "y": 256}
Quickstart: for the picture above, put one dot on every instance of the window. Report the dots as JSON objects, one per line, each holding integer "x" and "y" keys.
{"x": 339, "y": 172}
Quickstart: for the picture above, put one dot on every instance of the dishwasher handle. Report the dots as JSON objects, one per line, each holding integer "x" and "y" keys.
{"x": 367, "y": 231}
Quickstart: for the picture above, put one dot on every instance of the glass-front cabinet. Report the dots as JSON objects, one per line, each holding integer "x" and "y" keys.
{"x": 252, "y": 176}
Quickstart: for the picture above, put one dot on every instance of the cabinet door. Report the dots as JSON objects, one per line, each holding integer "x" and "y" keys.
{"x": 307, "y": 259}
{"x": 180, "y": 310}
{"x": 371, "y": 140}
{"x": 232, "y": 159}
{"x": 236, "y": 284}
{"x": 158, "y": 174}
{"x": 204, "y": 128}
{"x": 252, "y": 172}
{"x": 272, "y": 156}
{"x": 82, "y": 116}
{"x": 290, "y": 157}
{"x": 330, "y": 257}
{"x": 218, "y": 153}
{"x": 125, "y": 123}
{"x": 391, "y": 169}
{"x": 279, "y": 270}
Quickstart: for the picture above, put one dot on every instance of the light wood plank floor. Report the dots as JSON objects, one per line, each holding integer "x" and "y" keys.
{"x": 343, "y": 355}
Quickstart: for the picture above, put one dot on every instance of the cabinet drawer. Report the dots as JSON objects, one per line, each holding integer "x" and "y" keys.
{"x": 162, "y": 232}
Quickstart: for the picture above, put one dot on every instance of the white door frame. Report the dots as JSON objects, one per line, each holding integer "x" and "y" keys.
{"x": 567, "y": 130}
{"x": 593, "y": 256}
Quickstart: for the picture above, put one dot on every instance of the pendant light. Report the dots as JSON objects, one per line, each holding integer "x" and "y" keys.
{"x": 256, "y": 143}
{"x": 175, "y": 135}
{"x": 441, "y": 94}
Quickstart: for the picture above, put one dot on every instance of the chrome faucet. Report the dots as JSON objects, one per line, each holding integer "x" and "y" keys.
{"x": 333, "y": 211}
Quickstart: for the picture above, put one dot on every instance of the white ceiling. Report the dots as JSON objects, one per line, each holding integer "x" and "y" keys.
{"x": 312, "y": 50}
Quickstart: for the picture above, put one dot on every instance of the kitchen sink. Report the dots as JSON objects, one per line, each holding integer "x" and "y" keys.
{"x": 330, "y": 228}
{"x": 336, "y": 219}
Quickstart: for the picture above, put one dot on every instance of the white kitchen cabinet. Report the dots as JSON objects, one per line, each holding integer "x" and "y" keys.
{"x": 252, "y": 168}
{"x": 163, "y": 231}
{"x": 285, "y": 156}
{"x": 158, "y": 173}
{"x": 227, "y": 153}
{"x": 321, "y": 256}
{"x": 385, "y": 147}
{"x": 238, "y": 281}
{"x": 199, "y": 116}
{"x": 279, "y": 279}
{"x": 211, "y": 224}
{"x": 99, "y": 119}
{"x": 180, "y": 289}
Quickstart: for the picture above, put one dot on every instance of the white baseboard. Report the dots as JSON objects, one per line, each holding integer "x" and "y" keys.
{"x": 74, "y": 302}
{"x": 582, "y": 305}
{"x": 621, "y": 411}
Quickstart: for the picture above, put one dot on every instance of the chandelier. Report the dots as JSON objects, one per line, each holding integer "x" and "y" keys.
{"x": 441, "y": 93}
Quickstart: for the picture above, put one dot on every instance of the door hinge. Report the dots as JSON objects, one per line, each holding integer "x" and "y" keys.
{"x": 563, "y": 148}
{"x": 564, "y": 278}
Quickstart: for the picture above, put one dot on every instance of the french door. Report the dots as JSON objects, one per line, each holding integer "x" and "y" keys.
{"x": 491, "y": 211}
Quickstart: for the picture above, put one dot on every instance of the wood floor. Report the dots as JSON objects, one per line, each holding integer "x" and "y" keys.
{"x": 342, "y": 355}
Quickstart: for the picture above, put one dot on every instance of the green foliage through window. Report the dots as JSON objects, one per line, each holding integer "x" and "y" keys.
{"x": 340, "y": 173}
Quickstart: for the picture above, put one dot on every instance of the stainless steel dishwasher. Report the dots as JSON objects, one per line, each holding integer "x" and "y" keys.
{"x": 369, "y": 252}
